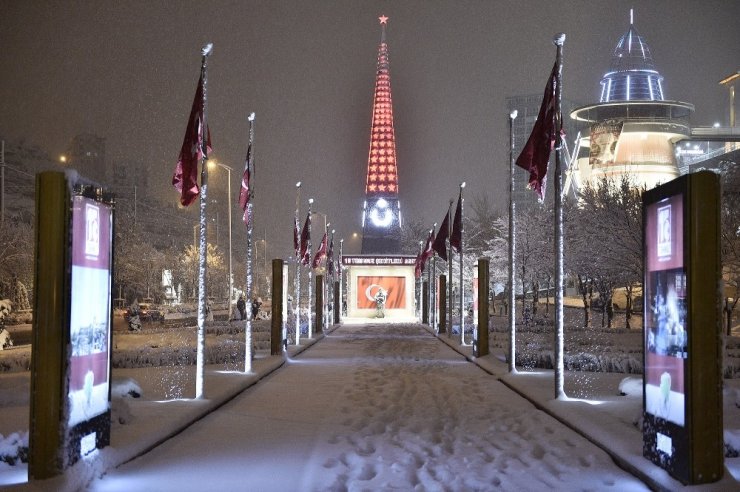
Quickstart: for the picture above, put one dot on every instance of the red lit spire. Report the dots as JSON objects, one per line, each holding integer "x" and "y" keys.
{"x": 382, "y": 174}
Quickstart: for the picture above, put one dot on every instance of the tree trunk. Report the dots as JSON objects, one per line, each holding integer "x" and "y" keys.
{"x": 609, "y": 309}
{"x": 535, "y": 296}
{"x": 628, "y": 307}
{"x": 584, "y": 292}
{"x": 728, "y": 309}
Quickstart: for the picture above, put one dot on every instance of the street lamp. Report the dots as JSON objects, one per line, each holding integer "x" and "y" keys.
{"x": 231, "y": 277}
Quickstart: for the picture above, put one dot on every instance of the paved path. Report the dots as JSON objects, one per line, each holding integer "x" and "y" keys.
{"x": 374, "y": 407}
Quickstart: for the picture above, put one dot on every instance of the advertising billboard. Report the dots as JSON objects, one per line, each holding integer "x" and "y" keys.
{"x": 682, "y": 400}
{"x": 90, "y": 324}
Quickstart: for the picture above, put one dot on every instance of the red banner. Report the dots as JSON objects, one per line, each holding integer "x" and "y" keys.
{"x": 394, "y": 288}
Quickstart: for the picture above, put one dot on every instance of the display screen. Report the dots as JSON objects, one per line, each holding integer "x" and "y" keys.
{"x": 90, "y": 310}
{"x": 394, "y": 289}
{"x": 665, "y": 311}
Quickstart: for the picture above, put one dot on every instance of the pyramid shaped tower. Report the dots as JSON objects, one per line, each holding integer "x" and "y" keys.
{"x": 381, "y": 213}
{"x": 632, "y": 75}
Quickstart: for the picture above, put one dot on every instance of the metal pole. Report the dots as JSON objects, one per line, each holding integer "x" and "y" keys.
{"x": 419, "y": 281}
{"x": 310, "y": 271}
{"x": 449, "y": 300}
{"x": 558, "y": 40}
{"x": 248, "y": 326}
{"x": 231, "y": 275}
{"x": 297, "y": 300}
{"x": 202, "y": 264}
{"x": 512, "y": 249}
{"x": 462, "y": 277}
{"x": 433, "y": 295}
{"x": 341, "y": 274}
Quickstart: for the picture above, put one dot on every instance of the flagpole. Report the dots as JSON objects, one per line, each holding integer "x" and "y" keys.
{"x": 462, "y": 277}
{"x": 449, "y": 302}
{"x": 297, "y": 280}
{"x": 433, "y": 290}
{"x": 202, "y": 265}
{"x": 330, "y": 285}
{"x": 419, "y": 283}
{"x": 248, "y": 288}
{"x": 559, "y": 40}
{"x": 341, "y": 274}
{"x": 310, "y": 270}
{"x": 512, "y": 249}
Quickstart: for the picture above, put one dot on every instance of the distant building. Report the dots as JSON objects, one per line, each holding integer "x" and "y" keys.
{"x": 528, "y": 107}
{"x": 86, "y": 154}
{"x": 633, "y": 128}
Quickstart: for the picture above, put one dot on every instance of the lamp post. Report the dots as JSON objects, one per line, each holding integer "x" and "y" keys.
{"x": 231, "y": 277}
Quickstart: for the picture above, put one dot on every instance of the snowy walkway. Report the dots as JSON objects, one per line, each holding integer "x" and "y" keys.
{"x": 375, "y": 407}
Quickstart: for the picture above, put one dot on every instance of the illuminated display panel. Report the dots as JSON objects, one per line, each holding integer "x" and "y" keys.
{"x": 666, "y": 339}
{"x": 394, "y": 288}
{"x": 89, "y": 363}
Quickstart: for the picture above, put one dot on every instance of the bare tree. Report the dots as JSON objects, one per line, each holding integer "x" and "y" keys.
{"x": 16, "y": 262}
{"x": 730, "y": 239}
{"x": 605, "y": 241}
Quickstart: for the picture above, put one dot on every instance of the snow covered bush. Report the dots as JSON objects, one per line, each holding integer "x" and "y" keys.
{"x": 14, "y": 448}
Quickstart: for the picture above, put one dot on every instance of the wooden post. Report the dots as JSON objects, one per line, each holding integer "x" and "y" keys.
{"x": 50, "y": 321}
{"x": 480, "y": 339}
{"x": 443, "y": 304}
{"x": 319, "y": 304}
{"x": 276, "y": 325}
{"x": 425, "y": 303}
{"x": 337, "y": 307}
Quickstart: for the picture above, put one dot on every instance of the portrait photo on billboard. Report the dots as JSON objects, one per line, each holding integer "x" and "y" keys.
{"x": 89, "y": 363}
{"x": 666, "y": 330}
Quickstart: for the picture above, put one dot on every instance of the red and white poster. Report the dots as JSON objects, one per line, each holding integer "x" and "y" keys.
{"x": 666, "y": 340}
{"x": 394, "y": 289}
{"x": 90, "y": 310}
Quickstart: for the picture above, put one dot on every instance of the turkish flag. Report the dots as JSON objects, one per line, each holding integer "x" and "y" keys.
{"x": 245, "y": 193}
{"x": 536, "y": 151}
{"x": 185, "y": 178}
{"x": 440, "y": 242}
{"x": 456, "y": 236}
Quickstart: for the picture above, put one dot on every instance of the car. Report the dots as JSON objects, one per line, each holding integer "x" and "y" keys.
{"x": 147, "y": 312}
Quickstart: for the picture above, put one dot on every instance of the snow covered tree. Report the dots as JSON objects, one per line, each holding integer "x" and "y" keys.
{"x": 187, "y": 271}
{"x": 730, "y": 239}
{"x": 16, "y": 263}
{"x": 605, "y": 240}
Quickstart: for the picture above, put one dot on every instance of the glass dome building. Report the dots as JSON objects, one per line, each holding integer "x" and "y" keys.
{"x": 633, "y": 128}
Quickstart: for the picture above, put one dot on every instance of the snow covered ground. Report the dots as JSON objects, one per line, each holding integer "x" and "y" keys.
{"x": 369, "y": 407}
{"x": 375, "y": 407}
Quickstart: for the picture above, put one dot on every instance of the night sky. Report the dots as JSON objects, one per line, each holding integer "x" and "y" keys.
{"x": 127, "y": 71}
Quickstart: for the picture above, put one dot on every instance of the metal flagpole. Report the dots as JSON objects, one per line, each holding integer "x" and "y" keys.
{"x": 449, "y": 302}
{"x": 512, "y": 249}
{"x": 341, "y": 274}
{"x": 432, "y": 279}
{"x": 248, "y": 288}
{"x": 433, "y": 288}
{"x": 330, "y": 285}
{"x": 462, "y": 277}
{"x": 202, "y": 298}
{"x": 324, "y": 286}
{"x": 419, "y": 283}
{"x": 310, "y": 271}
{"x": 297, "y": 300}
{"x": 559, "y": 40}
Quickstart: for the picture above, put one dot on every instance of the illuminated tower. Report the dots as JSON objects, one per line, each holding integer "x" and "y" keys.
{"x": 633, "y": 127}
{"x": 381, "y": 211}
